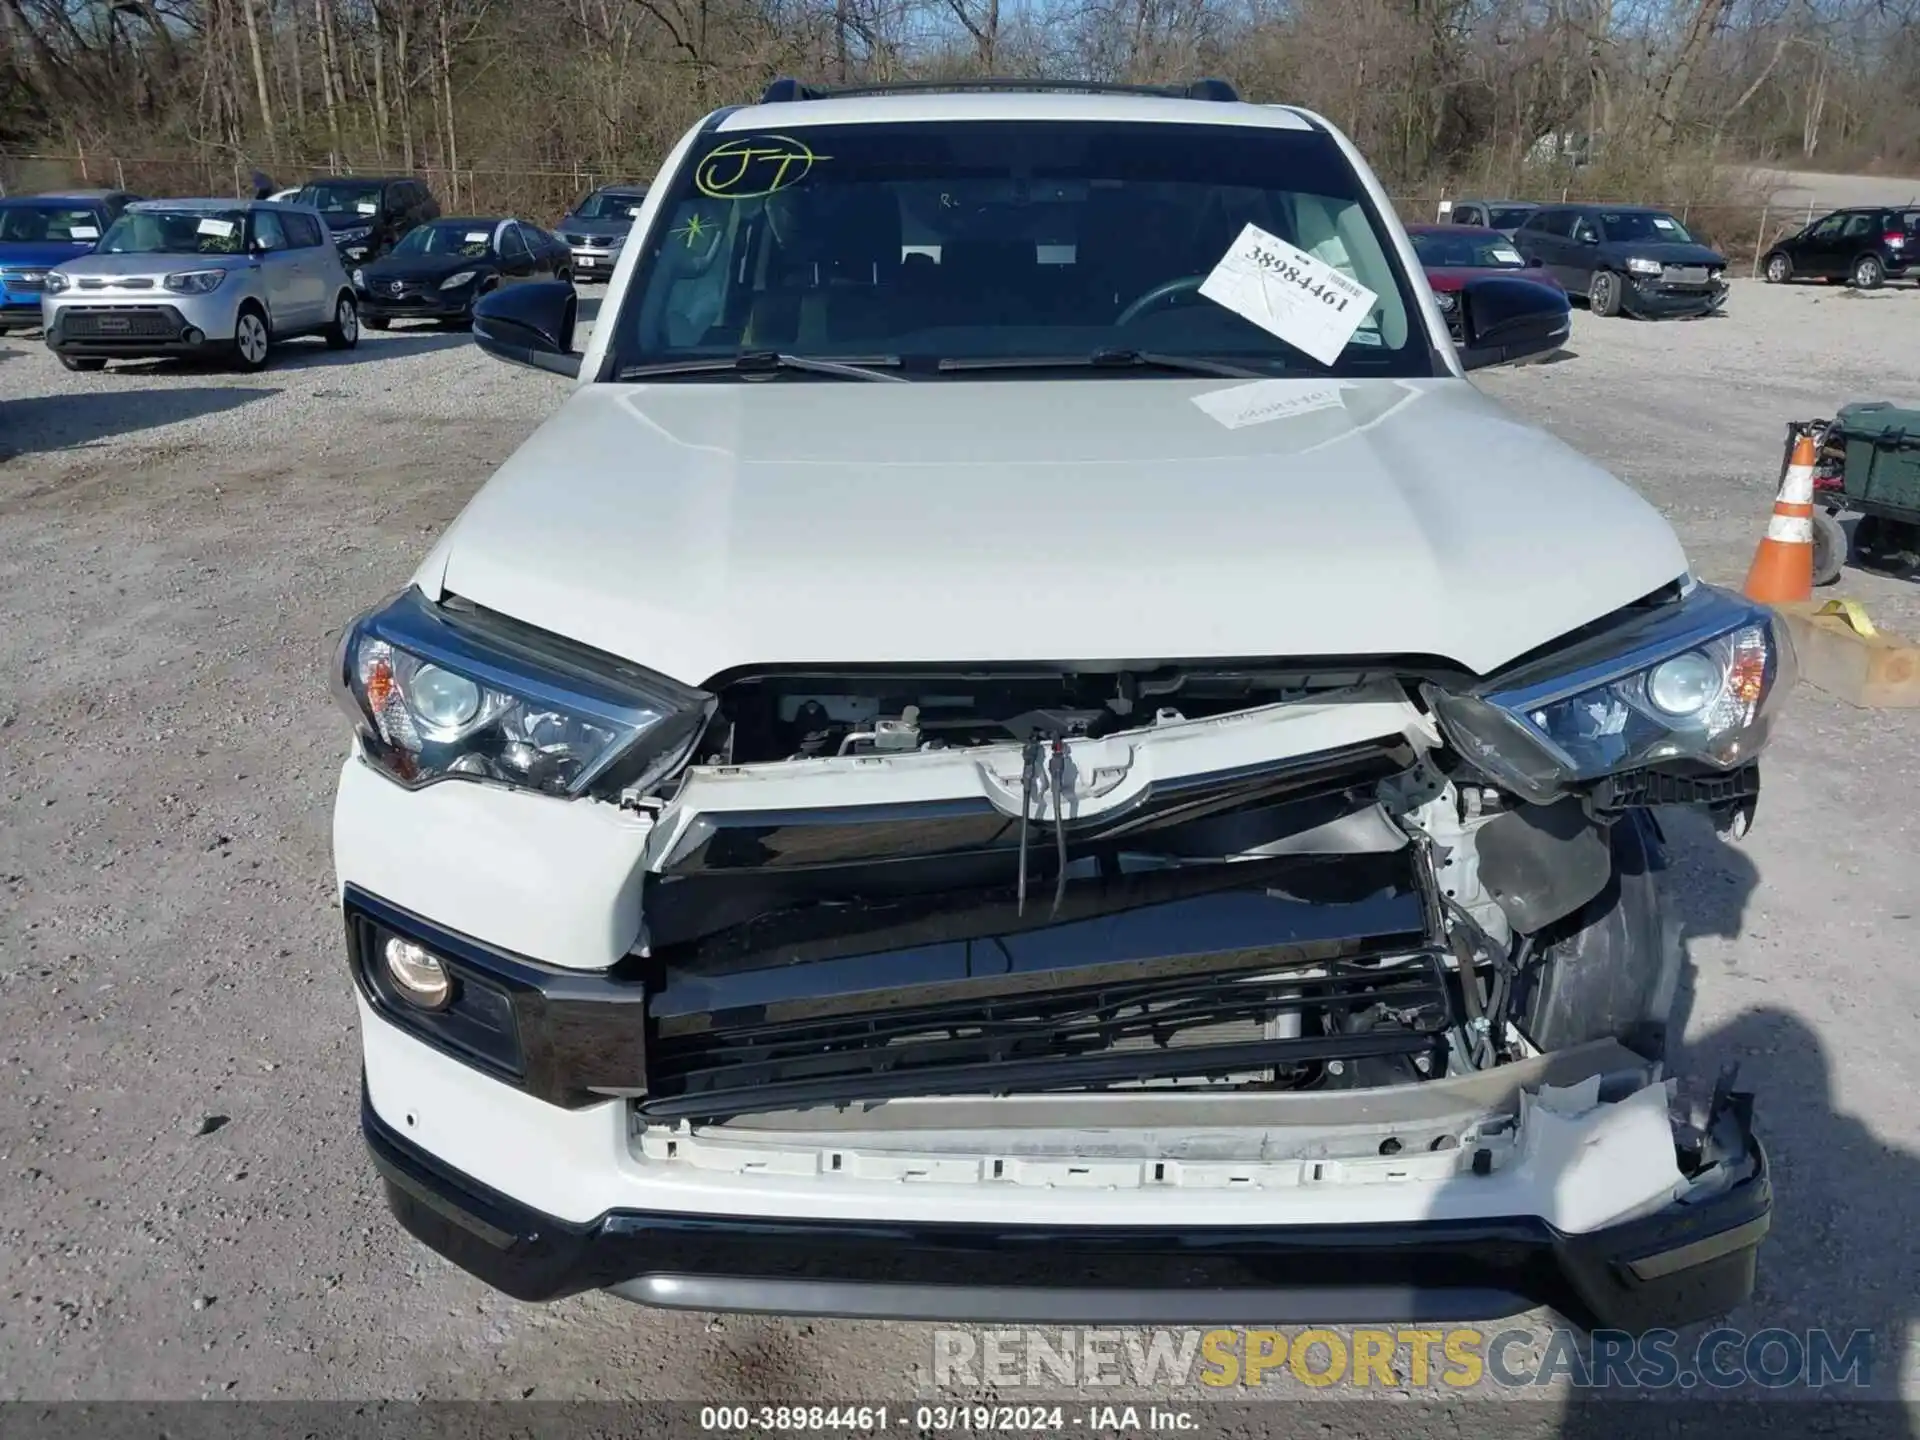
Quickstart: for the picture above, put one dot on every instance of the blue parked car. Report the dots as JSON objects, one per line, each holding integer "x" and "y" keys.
{"x": 38, "y": 232}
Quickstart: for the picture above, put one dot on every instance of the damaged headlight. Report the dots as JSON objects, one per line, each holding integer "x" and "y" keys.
{"x": 447, "y": 692}
{"x": 1695, "y": 683}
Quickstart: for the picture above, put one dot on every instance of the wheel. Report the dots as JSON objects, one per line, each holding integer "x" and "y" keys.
{"x": 1610, "y": 970}
{"x": 1779, "y": 269}
{"x": 1869, "y": 273}
{"x": 252, "y": 339}
{"x": 1829, "y": 547}
{"x": 377, "y": 322}
{"x": 1603, "y": 293}
{"x": 344, "y": 332}
{"x": 83, "y": 363}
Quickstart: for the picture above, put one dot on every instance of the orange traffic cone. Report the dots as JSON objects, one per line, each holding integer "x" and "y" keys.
{"x": 1783, "y": 565}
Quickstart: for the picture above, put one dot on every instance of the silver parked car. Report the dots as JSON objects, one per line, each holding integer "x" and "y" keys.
{"x": 228, "y": 278}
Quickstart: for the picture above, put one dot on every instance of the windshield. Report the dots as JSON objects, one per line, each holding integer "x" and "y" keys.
{"x": 1510, "y": 217}
{"x": 26, "y": 221}
{"x": 466, "y": 239}
{"x": 177, "y": 232}
{"x": 342, "y": 197}
{"x": 1468, "y": 251}
{"x": 608, "y": 205}
{"x": 1644, "y": 225}
{"x": 998, "y": 240}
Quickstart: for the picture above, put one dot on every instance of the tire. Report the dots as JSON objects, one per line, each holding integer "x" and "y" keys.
{"x": 1829, "y": 547}
{"x": 377, "y": 322}
{"x": 344, "y": 332}
{"x": 1779, "y": 269}
{"x": 1612, "y": 969}
{"x": 1869, "y": 273}
{"x": 252, "y": 339}
{"x": 85, "y": 364}
{"x": 1603, "y": 293}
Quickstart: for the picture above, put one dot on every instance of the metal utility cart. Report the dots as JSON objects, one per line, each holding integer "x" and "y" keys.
{"x": 1869, "y": 465}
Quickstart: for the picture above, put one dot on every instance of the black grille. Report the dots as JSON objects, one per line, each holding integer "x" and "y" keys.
{"x": 130, "y": 322}
{"x": 1182, "y": 1027}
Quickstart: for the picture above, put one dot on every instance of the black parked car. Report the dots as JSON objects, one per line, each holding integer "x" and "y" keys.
{"x": 1503, "y": 215}
{"x": 439, "y": 269}
{"x": 1629, "y": 259}
{"x": 1867, "y": 247}
{"x": 369, "y": 213}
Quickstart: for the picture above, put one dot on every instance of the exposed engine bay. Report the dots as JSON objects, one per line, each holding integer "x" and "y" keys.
{"x": 1367, "y": 913}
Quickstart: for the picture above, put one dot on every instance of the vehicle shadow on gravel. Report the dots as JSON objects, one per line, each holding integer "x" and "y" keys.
{"x": 40, "y": 424}
{"x": 1839, "y": 1257}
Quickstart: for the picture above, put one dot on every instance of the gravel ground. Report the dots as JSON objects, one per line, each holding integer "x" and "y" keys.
{"x": 185, "y": 1209}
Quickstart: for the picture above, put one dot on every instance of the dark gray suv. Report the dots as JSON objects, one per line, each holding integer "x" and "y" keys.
{"x": 596, "y": 228}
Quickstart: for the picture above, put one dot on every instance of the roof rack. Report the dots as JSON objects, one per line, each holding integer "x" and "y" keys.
{"x": 786, "y": 89}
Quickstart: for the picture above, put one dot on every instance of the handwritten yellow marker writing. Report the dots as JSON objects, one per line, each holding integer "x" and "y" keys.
{"x": 748, "y": 169}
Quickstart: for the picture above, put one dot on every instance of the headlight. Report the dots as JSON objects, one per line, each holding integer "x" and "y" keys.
{"x": 352, "y": 233}
{"x": 1694, "y": 683}
{"x": 1447, "y": 301}
{"x": 457, "y": 279}
{"x": 440, "y": 692}
{"x": 1643, "y": 267}
{"x": 56, "y": 282}
{"x": 359, "y": 278}
{"x": 194, "y": 282}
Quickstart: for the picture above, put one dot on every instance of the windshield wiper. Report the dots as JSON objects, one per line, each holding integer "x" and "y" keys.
{"x": 766, "y": 362}
{"x": 1105, "y": 360}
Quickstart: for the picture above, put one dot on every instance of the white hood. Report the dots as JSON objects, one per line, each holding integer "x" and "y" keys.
{"x": 695, "y": 527}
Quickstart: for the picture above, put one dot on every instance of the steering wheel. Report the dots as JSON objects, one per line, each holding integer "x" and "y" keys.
{"x": 1159, "y": 295}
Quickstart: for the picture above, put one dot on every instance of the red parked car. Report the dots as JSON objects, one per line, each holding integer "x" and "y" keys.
{"x": 1454, "y": 254}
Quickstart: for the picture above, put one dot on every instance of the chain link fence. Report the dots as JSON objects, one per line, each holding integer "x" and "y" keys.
{"x": 1743, "y": 233}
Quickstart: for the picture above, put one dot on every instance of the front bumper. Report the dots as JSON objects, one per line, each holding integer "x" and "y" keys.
{"x": 591, "y": 262}
{"x": 106, "y": 328}
{"x": 1684, "y": 1264}
{"x": 418, "y": 305}
{"x": 1656, "y": 300}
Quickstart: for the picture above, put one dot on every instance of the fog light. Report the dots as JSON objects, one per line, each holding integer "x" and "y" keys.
{"x": 192, "y": 336}
{"x": 417, "y": 973}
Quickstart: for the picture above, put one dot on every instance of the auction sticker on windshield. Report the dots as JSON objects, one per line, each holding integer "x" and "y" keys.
{"x": 222, "y": 228}
{"x": 1288, "y": 293}
{"x": 83, "y": 232}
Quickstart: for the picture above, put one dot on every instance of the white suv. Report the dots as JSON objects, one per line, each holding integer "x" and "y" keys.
{"x": 1026, "y": 746}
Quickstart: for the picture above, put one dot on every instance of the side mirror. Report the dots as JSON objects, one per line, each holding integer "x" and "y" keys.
{"x": 1588, "y": 237}
{"x": 1508, "y": 319}
{"x": 529, "y": 325}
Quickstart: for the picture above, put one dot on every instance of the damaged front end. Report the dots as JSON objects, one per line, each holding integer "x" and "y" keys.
{"x": 1251, "y": 973}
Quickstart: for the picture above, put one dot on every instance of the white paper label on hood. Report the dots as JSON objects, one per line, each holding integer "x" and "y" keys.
{"x": 1507, "y": 256}
{"x": 1239, "y": 406}
{"x": 84, "y": 232}
{"x": 633, "y": 212}
{"x": 1662, "y": 223}
{"x": 215, "y": 226}
{"x": 1289, "y": 293}
{"x": 476, "y": 237}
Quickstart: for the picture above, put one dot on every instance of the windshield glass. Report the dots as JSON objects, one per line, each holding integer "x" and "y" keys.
{"x": 1510, "y": 217}
{"x": 992, "y": 240}
{"x": 177, "y": 232}
{"x": 1467, "y": 251}
{"x": 26, "y": 221}
{"x": 342, "y": 197}
{"x": 467, "y": 239}
{"x": 1644, "y": 225}
{"x": 608, "y": 205}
